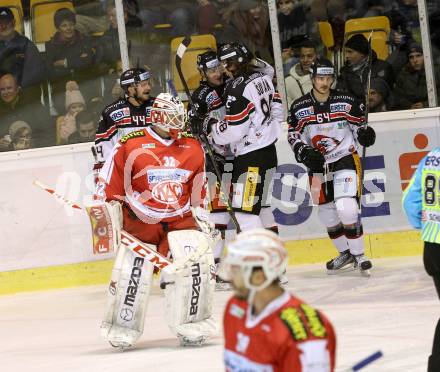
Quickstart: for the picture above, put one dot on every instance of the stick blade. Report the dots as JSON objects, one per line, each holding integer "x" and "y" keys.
{"x": 183, "y": 46}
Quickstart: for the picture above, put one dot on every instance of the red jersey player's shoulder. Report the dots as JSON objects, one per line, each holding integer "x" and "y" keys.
{"x": 189, "y": 140}
{"x": 302, "y": 321}
{"x": 132, "y": 135}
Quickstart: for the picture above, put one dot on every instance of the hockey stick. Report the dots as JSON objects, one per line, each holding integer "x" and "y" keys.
{"x": 367, "y": 109}
{"x": 365, "y": 362}
{"x": 225, "y": 198}
{"x": 130, "y": 242}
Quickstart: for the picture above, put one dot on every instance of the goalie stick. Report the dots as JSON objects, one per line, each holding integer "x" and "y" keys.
{"x": 225, "y": 198}
{"x": 133, "y": 244}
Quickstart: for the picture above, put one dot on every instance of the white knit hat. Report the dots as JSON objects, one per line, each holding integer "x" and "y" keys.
{"x": 73, "y": 94}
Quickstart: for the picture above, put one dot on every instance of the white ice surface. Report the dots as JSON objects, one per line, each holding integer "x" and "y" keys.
{"x": 395, "y": 311}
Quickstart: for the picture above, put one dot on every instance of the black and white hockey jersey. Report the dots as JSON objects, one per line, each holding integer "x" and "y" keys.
{"x": 117, "y": 120}
{"x": 329, "y": 126}
{"x": 254, "y": 114}
{"x": 207, "y": 100}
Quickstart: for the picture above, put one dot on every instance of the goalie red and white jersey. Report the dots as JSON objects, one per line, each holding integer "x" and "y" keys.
{"x": 288, "y": 336}
{"x": 159, "y": 179}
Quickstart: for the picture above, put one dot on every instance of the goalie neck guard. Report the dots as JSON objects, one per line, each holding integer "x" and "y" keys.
{"x": 258, "y": 248}
{"x": 168, "y": 114}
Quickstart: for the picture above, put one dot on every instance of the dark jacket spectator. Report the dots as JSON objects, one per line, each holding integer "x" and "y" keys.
{"x": 353, "y": 76}
{"x": 85, "y": 128}
{"x": 15, "y": 106}
{"x": 379, "y": 95}
{"x": 70, "y": 56}
{"x": 411, "y": 91}
{"x": 18, "y": 55}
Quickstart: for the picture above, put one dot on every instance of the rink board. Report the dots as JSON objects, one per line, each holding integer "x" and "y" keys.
{"x": 403, "y": 243}
{"x": 40, "y": 233}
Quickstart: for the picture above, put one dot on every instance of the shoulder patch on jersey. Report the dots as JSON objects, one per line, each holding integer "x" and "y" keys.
{"x": 316, "y": 327}
{"x": 135, "y": 134}
{"x": 292, "y": 319}
{"x": 236, "y": 311}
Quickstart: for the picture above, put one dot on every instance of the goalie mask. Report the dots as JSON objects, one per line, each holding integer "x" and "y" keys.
{"x": 168, "y": 114}
{"x": 258, "y": 248}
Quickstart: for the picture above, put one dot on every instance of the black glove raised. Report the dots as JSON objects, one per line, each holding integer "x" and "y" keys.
{"x": 310, "y": 157}
{"x": 199, "y": 124}
{"x": 366, "y": 136}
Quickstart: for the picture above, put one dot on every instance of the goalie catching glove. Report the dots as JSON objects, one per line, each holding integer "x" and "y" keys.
{"x": 366, "y": 136}
{"x": 309, "y": 156}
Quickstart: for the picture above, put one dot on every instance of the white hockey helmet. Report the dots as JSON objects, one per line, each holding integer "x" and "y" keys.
{"x": 257, "y": 248}
{"x": 168, "y": 113}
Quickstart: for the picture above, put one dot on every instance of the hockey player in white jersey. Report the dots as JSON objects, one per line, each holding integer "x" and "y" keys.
{"x": 251, "y": 127}
{"x": 325, "y": 127}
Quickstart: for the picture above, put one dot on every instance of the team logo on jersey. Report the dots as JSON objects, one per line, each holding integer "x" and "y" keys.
{"x": 294, "y": 323}
{"x": 341, "y": 106}
{"x": 302, "y": 113}
{"x": 120, "y": 114}
{"x": 167, "y": 192}
{"x": 325, "y": 144}
{"x": 229, "y": 101}
{"x": 211, "y": 97}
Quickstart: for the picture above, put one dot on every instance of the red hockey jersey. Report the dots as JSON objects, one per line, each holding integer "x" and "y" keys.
{"x": 287, "y": 336}
{"x": 159, "y": 179}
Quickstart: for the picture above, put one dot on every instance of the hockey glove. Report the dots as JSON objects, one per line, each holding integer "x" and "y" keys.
{"x": 200, "y": 125}
{"x": 366, "y": 136}
{"x": 309, "y": 156}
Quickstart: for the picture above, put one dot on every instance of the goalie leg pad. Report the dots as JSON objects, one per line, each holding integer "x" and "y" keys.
{"x": 128, "y": 294}
{"x": 189, "y": 295}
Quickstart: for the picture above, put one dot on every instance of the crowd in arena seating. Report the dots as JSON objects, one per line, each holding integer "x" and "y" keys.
{"x": 46, "y": 88}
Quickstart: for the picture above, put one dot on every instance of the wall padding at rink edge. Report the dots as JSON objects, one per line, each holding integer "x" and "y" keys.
{"x": 48, "y": 245}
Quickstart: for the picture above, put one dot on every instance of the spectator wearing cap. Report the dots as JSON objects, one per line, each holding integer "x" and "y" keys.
{"x": 70, "y": 56}
{"x": 85, "y": 128}
{"x": 354, "y": 74}
{"x": 18, "y": 55}
{"x": 74, "y": 104}
{"x": 379, "y": 94}
{"x": 15, "y": 106}
{"x": 411, "y": 91}
{"x": 299, "y": 81}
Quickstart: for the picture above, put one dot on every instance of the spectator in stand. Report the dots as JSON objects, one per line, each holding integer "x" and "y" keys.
{"x": 179, "y": 14}
{"x": 353, "y": 76}
{"x": 294, "y": 19}
{"x": 299, "y": 81}
{"x": 379, "y": 95}
{"x": 90, "y": 16}
{"x": 85, "y": 128}
{"x": 15, "y": 106}
{"x": 249, "y": 22}
{"x": 411, "y": 91}
{"x": 75, "y": 103}
{"x": 19, "y": 137}
{"x": 70, "y": 56}
{"x": 108, "y": 45}
{"x": 113, "y": 89}
{"x": 208, "y": 17}
{"x": 18, "y": 55}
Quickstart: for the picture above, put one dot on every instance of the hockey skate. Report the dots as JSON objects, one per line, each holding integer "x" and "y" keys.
{"x": 363, "y": 264}
{"x": 342, "y": 263}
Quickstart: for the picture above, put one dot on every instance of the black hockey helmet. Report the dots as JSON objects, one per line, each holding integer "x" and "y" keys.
{"x": 236, "y": 51}
{"x": 207, "y": 60}
{"x": 322, "y": 66}
{"x": 133, "y": 76}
